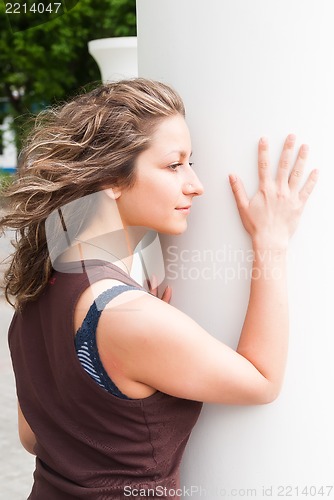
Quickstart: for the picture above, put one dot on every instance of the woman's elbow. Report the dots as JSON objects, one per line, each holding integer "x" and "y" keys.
{"x": 270, "y": 393}
{"x": 28, "y": 442}
{"x": 26, "y": 435}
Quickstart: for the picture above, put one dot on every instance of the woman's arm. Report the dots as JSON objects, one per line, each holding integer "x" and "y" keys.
{"x": 151, "y": 342}
{"x": 27, "y": 437}
{"x": 271, "y": 218}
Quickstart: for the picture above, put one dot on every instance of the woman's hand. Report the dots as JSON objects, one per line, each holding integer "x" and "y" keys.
{"x": 272, "y": 215}
{"x": 153, "y": 288}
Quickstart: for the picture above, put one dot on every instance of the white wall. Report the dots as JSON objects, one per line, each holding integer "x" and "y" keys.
{"x": 248, "y": 68}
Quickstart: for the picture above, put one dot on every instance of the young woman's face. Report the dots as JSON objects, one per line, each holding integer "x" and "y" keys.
{"x": 165, "y": 182}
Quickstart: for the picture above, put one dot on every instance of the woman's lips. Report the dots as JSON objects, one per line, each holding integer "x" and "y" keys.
{"x": 185, "y": 210}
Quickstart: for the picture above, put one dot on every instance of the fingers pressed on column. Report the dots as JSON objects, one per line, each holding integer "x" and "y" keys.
{"x": 263, "y": 160}
{"x": 167, "y": 295}
{"x": 285, "y": 161}
{"x": 307, "y": 189}
{"x": 298, "y": 168}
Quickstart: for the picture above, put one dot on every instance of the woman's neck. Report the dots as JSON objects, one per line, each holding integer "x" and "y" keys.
{"x": 116, "y": 247}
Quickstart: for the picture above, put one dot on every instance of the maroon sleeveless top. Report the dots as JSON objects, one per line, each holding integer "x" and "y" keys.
{"x": 90, "y": 443}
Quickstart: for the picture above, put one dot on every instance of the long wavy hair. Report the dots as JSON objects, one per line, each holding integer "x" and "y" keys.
{"x": 73, "y": 150}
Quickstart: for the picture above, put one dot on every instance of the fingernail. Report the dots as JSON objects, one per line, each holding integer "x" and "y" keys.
{"x": 263, "y": 140}
{"x": 291, "y": 137}
{"x": 232, "y": 178}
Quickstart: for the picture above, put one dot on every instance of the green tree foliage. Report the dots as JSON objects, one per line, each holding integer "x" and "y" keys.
{"x": 44, "y": 57}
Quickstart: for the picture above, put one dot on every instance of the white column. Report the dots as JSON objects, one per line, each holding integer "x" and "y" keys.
{"x": 246, "y": 69}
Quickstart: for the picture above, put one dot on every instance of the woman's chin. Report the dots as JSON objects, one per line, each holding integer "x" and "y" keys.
{"x": 175, "y": 231}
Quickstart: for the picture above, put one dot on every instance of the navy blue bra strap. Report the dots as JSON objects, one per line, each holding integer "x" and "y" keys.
{"x": 95, "y": 310}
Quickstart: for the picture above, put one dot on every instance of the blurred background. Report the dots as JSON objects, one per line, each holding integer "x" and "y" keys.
{"x": 44, "y": 60}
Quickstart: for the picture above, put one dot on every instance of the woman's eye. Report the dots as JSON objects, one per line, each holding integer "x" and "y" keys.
{"x": 174, "y": 166}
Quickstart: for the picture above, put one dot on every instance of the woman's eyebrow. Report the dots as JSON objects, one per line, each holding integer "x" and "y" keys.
{"x": 181, "y": 153}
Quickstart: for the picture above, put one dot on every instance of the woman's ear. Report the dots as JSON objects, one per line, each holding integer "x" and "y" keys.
{"x": 113, "y": 192}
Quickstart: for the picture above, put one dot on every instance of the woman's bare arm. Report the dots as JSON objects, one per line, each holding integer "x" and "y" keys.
{"x": 271, "y": 218}
{"x": 27, "y": 437}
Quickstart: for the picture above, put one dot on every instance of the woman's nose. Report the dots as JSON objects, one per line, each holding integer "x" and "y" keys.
{"x": 193, "y": 186}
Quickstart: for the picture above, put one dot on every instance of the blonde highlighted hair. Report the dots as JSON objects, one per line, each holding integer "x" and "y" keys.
{"x": 76, "y": 149}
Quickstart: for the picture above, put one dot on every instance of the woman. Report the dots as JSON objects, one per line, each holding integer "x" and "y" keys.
{"x": 110, "y": 379}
